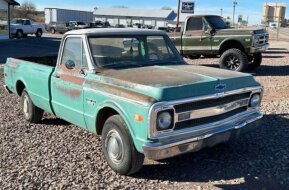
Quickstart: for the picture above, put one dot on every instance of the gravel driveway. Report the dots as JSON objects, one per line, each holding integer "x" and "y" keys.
{"x": 57, "y": 155}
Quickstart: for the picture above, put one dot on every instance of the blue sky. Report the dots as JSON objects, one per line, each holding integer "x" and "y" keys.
{"x": 250, "y": 8}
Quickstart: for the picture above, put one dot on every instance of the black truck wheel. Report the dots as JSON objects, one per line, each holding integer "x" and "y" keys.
{"x": 39, "y": 33}
{"x": 118, "y": 148}
{"x": 255, "y": 61}
{"x": 31, "y": 113}
{"x": 234, "y": 59}
{"x": 52, "y": 30}
{"x": 19, "y": 34}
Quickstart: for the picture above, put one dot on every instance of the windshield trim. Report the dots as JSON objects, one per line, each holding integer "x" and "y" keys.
{"x": 170, "y": 44}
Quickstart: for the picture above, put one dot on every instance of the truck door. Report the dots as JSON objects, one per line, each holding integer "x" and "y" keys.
{"x": 67, "y": 82}
{"x": 28, "y": 27}
{"x": 195, "y": 41}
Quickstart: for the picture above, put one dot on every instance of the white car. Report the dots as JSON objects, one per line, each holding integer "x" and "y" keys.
{"x": 21, "y": 27}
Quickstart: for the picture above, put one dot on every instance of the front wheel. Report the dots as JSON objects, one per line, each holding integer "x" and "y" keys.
{"x": 19, "y": 34}
{"x": 118, "y": 148}
{"x": 255, "y": 61}
{"x": 31, "y": 112}
{"x": 234, "y": 59}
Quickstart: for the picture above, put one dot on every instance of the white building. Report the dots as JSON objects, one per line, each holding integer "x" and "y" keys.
{"x": 66, "y": 15}
{"x": 127, "y": 16}
{"x": 5, "y": 17}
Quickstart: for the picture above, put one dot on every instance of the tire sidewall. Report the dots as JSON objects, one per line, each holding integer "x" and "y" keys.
{"x": 236, "y": 53}
{"x": 19, "y": 34}
{"x": 28, "y": 117}
{"x": 113, "y": 124}
{"x": 39, "y": 33}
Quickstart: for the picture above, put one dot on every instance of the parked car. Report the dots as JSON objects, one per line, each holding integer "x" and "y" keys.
{"x": 132, "y": 87}
{"x": 119, "y": 26}
{"x": 99, "y": 24}
{"x": 60, "y": 27}
{"x": 49, "y": 26}
{"x": 21, "y": 27}
{"x": 210, "y": 36}
{"x": 78, "y": 25}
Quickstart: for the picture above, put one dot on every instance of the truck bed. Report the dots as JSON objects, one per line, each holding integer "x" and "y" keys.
{"x": 45, "y": 60}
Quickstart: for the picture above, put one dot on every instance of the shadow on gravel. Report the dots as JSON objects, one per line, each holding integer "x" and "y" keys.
{"x": 273, "y": 56}
{"x": 276, "y": 52}
{"x": 257, "y": 160}
{"x": 271, "y": 70}
{"x": 280, "y": 49}
{"x": 54, "y": 121}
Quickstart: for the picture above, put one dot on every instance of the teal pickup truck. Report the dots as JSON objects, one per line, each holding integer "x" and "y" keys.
{"x": 132, "y": 87}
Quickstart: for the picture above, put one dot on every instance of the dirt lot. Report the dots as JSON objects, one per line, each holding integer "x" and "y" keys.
{"x": 57, "y": 155}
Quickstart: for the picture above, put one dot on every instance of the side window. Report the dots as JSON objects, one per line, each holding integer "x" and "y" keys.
{"x": 27, "y": 22}
{"x": 195, "y": 24}
{"x": 72, "y": 51}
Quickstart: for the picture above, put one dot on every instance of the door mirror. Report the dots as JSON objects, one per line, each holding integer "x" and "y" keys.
{"x": 70, "y": 64}
{"x": 213, "y": 32}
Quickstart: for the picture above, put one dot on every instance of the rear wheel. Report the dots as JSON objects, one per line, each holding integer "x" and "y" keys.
{"x": 39, "y": 33}
{"x": 234, "y": 59}
{"x": 255, "y": 61}
{"x": 19, "y": 34}
{"x": 30, "y": 111}
{"x": 118, "y": 148}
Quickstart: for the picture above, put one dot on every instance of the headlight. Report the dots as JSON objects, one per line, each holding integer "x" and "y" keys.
{"x": 255, "y": 100}
{"x": 165, "y": 120}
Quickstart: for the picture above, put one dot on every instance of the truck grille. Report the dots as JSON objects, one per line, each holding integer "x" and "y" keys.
{"x": 262, "y": 40}
{"x": 192, "y": 114}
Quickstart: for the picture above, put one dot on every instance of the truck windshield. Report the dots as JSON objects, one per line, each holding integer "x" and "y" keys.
{"x": 17, "y": 21}
{"x": 133, "y": 51}
{"x": 217, "y": 22}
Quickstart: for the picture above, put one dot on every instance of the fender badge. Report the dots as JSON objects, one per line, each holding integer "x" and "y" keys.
{"x": 220, "y": 87}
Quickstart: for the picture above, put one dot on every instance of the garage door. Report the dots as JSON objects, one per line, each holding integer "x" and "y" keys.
{"x": 160, "y": 23}
{"x": 111, "y": 21}
{"x": 134, "y": 21}
{"x": 148, "y": 22}
{"x": 122, "y": 21}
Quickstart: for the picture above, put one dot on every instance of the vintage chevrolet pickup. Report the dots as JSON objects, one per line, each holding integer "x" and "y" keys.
{"x": 132, "y": 87}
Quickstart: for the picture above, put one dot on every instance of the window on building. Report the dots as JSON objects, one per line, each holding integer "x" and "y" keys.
{"x": 3, "y": 21}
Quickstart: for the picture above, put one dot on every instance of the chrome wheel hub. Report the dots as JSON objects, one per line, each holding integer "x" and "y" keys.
{"x": 114, "y": 147}
{"x": 26, "y": 106}
{"x": 232, "y": 63}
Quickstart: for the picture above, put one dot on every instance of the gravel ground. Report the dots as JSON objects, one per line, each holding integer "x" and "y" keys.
{"x": 57, "y": 155}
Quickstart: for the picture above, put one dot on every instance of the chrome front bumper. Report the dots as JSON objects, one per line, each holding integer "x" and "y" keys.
{"x": 210, "y": 137}
{"x": 259, "y": 49}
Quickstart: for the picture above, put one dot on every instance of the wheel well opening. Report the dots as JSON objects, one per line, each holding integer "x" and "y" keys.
{"x": 231, "y": 44}
{"x": 102, "y": 116}
{"x": 19, "y": 87}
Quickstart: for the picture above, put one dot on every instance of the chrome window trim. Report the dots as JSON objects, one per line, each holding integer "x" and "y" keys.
{"x": 155, "y": 108}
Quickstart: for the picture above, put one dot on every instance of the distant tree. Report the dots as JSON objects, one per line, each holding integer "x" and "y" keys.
{"x": 228, "y": 18}
{"x": 166, "y": 8}
{"x": 26, "y": 9}
{"x": 120, "y": 6}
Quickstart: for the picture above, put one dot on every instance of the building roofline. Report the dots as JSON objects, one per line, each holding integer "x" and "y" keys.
{"x": 12, "y": 2}
{"x": 67, "y": 9}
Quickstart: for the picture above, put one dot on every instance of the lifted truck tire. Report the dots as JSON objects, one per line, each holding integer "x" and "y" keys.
{"x": 31, "y": 113}
{"x": 255, "y": 61}
{"x": 234, "y": 59}
{"x": 118, "y": 148}
{"x": 52, "y": 30}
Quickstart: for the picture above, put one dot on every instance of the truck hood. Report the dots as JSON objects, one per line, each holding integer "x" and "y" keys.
{"x": 241, "y": 31}
{"x": 165, "y": 83}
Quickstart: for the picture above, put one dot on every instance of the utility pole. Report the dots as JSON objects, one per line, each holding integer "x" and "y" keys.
{"x": 221, "y": 12}
{"x": 178, "y": 16}
{"x": 234, "y": 7}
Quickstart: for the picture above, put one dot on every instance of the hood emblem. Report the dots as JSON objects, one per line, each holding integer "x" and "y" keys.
{"x": 220, "y": 87}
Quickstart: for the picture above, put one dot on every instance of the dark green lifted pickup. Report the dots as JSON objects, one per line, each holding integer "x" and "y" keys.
{"x": 208, "y": 35}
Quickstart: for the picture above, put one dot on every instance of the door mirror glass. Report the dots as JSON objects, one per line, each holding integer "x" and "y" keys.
{"x": 213, "y": 32}
{"x": 70, "y": 64}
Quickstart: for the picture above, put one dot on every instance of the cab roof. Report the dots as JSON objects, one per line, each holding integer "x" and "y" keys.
{"x": 114, "y": 31}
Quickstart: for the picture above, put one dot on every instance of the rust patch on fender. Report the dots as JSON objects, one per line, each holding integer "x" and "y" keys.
{"x": 70, "y": 75}
{"x": 121, "y": 92}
